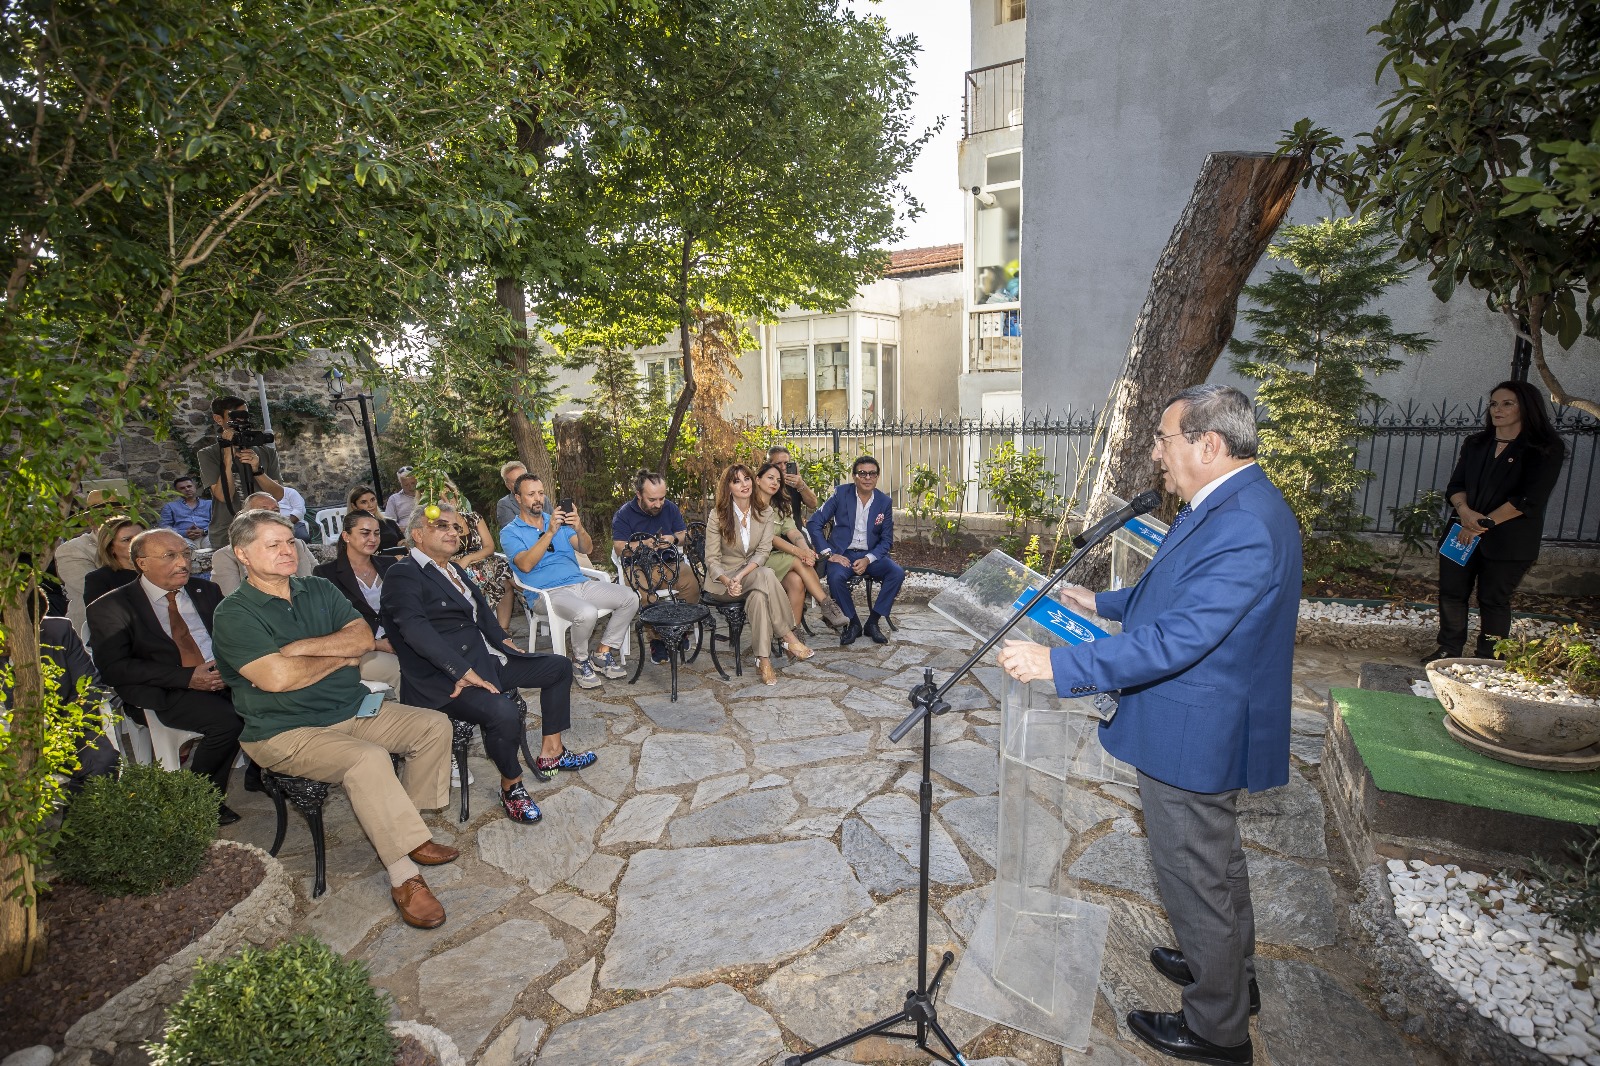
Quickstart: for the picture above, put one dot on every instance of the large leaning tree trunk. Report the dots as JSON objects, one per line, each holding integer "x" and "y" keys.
{"x": 527, "y": 430}
{"x": 1238, "y": 201}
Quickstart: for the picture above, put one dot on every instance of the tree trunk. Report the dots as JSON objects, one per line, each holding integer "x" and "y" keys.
{"x": 527, "y": 430}
{"x": 681, "y": 409}
{"x": 1530, "y": 327}
{"x": 577, "y": 458}
{"x": 19, "y": 926}
{"x": 1238, "y": 201}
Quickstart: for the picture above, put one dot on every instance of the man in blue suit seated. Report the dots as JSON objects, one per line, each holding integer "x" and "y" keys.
{"x": 1203, "y": 665}
{"x": 454, "y": 657}
{"x": 863, "y": 535}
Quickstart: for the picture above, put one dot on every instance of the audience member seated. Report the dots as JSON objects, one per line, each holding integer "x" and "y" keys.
{"x": 738, "y": 541}
{"x": 398, "y": 507}
{"x": 505, "y": 509}
{"x": 59, "y": 643}
{"x": 74, "y": 558}
{"x": 488, "y": 569}
{"x": 455, "y": 656}
{"x": 293, "y": 507}
{"x": 153, "y": 642}
{"x": 112, "y": 541}
{"x": 290, "y": 647}
{"x": 362, "y": 498}
{"x": 794, "y": 486}
{"x": 228, "y": 572}
{"x": 651, "y": 515}
{"x": 358, "y": 573}
{"x": 189, "y": 516}
{"x": 792, "y": 558}
{"x": 862, "y": 537}
{"x": 544, "y": 548}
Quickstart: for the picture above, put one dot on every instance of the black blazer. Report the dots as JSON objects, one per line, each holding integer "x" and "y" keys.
{"x": 134, "y": 653}
{"x": 434, "y": 635}
{"x": 341, "y": 574}
{"x": 1522, "y": 476}
{"x": 103, "y": 579}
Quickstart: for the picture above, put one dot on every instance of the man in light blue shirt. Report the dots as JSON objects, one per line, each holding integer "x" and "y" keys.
{"x": 189, "y": 516}
{"x": 543, "y": 548}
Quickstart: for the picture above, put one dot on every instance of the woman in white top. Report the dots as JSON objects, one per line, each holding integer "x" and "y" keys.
{"x": 358, "y": 572}
{"x": 738, "y": 541}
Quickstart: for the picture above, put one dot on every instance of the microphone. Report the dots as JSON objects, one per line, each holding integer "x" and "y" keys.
{"x": 1140, "y": 504}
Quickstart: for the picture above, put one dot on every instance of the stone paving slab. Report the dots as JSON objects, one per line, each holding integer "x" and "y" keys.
{"x": 1303, "y": 1006}
{"x": 896, "y": 819}
{"x": 1288, "y": 820}
{"x": 672, "y": 906}
{"x": 699, "y": 713}
{"x": 400, "y": 946}
{"x": 546, "y": 854}
{"x": 973, "y": 766}
{"x": 641, "y": 820}
{"x": 841, "y": 787}
{"x": 789, "y": 719}
{"x": 576, "y": 989}
{"x": 711, "y": 791}
{"x": 668, "y": 759}
{"x": 467, "y": 991}
{"x": 679, "y": 1027}
{"x": 575, "y": 911}
{"x": 879, "y": 867}
{"x": 819, "y": 749}
{"x": 754, "y": 814}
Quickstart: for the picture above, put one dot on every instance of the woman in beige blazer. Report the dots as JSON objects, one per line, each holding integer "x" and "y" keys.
{"x": 738, "y": 540}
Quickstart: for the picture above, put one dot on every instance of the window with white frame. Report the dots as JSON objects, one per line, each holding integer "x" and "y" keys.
{"x": 662, "y": 376}
{"x": 1011, "y": 10}
{"x": 997, "y": 233}
{"x": 837, "y": 368}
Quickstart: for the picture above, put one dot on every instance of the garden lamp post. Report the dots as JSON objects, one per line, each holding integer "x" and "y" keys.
{"x": 363, "y": 416}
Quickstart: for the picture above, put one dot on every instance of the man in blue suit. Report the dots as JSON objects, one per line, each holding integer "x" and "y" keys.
{"x": 1203, "y": 665}
{"x": 863, "y": 535}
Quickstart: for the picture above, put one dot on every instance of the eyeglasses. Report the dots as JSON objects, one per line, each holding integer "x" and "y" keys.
{"x": 167, "y": 557}
{"x": 1159, "y": 437}
{"x": 441, "y": 524}
{"x": 866, "y": 473}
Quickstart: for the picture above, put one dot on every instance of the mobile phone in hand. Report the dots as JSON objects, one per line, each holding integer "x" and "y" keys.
{"x": 791, "y": 467}
{"x": 567, "y": 505}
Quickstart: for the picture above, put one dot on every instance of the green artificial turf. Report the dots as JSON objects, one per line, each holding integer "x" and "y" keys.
{"x": 1403, "y": 742}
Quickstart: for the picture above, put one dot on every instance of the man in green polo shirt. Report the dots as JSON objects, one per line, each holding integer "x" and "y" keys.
{"x": 290, "y": 649}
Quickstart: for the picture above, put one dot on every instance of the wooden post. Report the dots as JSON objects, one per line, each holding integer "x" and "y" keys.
{"x": 1238, "y": 201}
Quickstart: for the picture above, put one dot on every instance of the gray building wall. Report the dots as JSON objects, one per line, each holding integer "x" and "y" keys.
{"x": 994, "y": 41}
{"x": 1124, "y": 102}
{"x": 931, "y": 318}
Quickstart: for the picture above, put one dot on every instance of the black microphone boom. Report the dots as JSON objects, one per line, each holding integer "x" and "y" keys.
{"x": 1143, "y": 503}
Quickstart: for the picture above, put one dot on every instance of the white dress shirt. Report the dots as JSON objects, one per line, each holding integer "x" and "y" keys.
{"x": 293, "y": 505}
{"x": 1211, "y": 486}
{"x": 186, "y": 611}
{"x": 858, "y": 539}
{"x": 742, "y": 520}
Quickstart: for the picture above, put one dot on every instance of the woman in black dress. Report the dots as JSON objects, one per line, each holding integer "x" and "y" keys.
{"x": 116, "y": 561}
{"x": 362, "y": 498}
{"x": 1498, "y": 491}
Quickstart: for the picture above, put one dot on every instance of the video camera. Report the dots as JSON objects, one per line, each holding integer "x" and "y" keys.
{"x": 243, "y": 435}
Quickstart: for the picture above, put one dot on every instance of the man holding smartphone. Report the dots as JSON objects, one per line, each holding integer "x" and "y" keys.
{"x": 651, "y": 515}
{"x": 800, "y": 494}
{"x": 543, "y": 547}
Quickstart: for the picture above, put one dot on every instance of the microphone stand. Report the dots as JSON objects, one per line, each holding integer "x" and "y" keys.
{"x": 927, "y": 700}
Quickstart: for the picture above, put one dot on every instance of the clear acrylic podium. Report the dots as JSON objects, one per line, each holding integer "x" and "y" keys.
{"x": 1034, "y": 959}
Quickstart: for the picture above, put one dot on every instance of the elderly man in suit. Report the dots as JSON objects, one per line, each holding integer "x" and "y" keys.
{"x": 1203, "y": 665}
{"x": 152, "y": 642}
{"x": 863, "y": 535}
{"x": 455, "y": 657}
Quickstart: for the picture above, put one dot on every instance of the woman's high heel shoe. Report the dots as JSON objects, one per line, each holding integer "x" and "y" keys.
{"x": 798, "y": 651}
{"x": 769, "y": 676}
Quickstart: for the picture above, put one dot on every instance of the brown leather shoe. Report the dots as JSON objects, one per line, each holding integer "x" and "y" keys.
{"x": 417, "y": 904}
{"x": 433, "y": 854}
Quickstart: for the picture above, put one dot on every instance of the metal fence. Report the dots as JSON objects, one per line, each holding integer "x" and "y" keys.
{"x": 1410, "y": 448}
{"x": 993, "y": 98}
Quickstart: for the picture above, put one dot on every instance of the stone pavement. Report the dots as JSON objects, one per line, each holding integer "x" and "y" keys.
{"x": 734, "y": 879}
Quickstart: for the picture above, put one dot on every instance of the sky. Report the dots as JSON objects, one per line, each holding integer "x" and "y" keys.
{"x": 942, "y": 28}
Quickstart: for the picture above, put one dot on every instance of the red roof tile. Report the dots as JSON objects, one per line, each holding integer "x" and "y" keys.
{"x": 935, "y": 260}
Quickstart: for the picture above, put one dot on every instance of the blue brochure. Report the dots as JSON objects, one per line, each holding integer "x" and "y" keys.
{"x": 1068, "y": 625}
{"x": 1453, "y": 549}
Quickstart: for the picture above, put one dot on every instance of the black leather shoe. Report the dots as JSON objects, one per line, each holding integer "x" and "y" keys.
{"x": 252, "y": 778}
{"x": 226, "y": 815}
{"x": 1170, "y": 1035}
{"x": 874, "y": 631}
{"x": 1169, "y": 963}
{"x": 1440, "y": 653}
{"x": 848, "y": 635}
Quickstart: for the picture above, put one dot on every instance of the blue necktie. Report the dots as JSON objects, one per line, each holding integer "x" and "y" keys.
{"x": 1180, "y": 518}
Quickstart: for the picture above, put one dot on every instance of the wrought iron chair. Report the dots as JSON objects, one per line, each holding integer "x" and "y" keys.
{"x": 731, "y": 610}
{"x": 308, "y": 796}
{"x": 652, "y": 573}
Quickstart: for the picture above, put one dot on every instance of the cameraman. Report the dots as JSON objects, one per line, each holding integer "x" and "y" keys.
{"x": 220, "y": 463}
{"x": 651, "y": 515}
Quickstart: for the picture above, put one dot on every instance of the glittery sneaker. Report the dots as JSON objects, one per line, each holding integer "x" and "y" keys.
{"x": 583, "y": 673}
{"x": 609, "y": 665}
{"x": 569, "y": 760}
{"x": 519, "y": 805}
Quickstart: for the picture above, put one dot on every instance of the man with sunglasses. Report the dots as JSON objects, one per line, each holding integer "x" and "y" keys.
{"x": 859, "y": 545}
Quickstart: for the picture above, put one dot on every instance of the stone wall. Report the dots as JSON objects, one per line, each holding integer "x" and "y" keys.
{"x": 322, "y": 467}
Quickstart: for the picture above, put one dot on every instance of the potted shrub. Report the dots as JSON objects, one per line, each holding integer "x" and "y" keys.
{"x": 1540, "y": 697}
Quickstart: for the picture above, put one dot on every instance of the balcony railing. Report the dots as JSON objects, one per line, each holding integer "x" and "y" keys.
{"x": 994, "y": 339}
{"x": 993, "y": 98}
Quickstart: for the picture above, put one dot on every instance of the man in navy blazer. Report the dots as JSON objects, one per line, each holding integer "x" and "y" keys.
{"x": 863, "y": 535}
{"x": 1203, "y": 665}
{"x": 455, "y": 657}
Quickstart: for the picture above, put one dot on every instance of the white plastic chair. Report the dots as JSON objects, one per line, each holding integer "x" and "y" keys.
{"x": 331, "y": 521}
{"x": 550, "y": 620}
{"x": 166, "y": 741}
{"x": 129, "y": 738}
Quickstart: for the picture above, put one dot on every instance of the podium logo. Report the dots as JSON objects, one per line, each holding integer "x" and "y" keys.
{"x": 1080, "y": 631}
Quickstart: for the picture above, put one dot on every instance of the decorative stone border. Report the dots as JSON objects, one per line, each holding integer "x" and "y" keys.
{"x": 1417, "y": 998}
{"x": 434, "y": 1040}
{"x": 136, "y": 1015}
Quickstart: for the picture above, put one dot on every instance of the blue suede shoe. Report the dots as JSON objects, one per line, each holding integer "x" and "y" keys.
{"x": 569, "y": 760}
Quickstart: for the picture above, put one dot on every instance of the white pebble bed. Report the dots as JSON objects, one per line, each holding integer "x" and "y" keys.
{"x": 1508, "y": 683}
{"x": 1509, "y": 963}
{"x": 1398, "y": 614}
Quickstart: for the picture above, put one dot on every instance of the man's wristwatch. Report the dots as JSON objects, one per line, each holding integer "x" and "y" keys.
{"x": 1486, "y": 522}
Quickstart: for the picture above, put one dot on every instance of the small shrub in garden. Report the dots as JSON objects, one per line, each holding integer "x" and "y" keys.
{"x": 1570, "y": 891}
{"x": 138, "y": 832}
{"x": 299, "y": 1004}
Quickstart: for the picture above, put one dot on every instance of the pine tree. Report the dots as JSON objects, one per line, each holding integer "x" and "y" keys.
{"x": 1315, "y": 341}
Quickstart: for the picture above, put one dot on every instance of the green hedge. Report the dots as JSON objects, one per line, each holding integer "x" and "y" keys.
{"x": 139, "y": 832}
